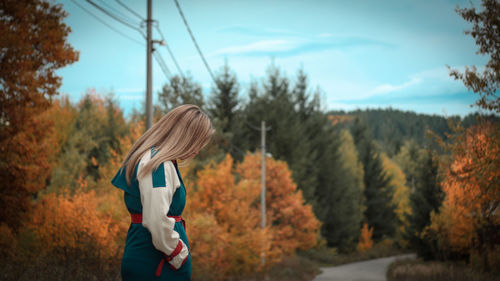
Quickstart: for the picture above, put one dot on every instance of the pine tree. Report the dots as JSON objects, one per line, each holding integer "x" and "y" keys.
{"x": 340, "y": 191}
{"x": 180, "y": 90}
{"x": 425, "y": 198}
{"x": 287, "y": 140}
{"x": 224, "y": 110}
{"x": 378, "y": 191}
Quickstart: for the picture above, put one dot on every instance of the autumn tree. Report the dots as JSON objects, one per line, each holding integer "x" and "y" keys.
{"x": 400, "y": 199}
{"x": 486, "y": 33}
{"x": 232, "y": 215}
{"x": 365, "y": 240}
{"x": 227, "y": 202}
{"x": 94, "y": 132}
{"x": 468, "y": 223}
{"x": 33, "y": 46}
{"x": 292, "y": 221}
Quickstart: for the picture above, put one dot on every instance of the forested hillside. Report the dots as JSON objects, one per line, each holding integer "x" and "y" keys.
{"x": 391, "y": 128}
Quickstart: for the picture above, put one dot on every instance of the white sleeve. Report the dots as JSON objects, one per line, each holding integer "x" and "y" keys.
{"x": 157, "y": 190}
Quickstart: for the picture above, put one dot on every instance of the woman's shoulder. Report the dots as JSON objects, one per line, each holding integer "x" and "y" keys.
{"x": 166, "y": 174}
{"x": 120, "y": 181}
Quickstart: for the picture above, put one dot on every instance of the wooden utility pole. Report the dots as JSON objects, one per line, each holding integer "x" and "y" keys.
{"x": 263, "y": 180}
{"x": 149, "y": 68}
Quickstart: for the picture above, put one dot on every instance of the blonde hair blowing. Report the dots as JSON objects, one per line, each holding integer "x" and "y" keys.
{"x": 179, "y": 134}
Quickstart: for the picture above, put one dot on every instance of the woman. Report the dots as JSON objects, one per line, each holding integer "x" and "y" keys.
{"x": 157, "y": 247}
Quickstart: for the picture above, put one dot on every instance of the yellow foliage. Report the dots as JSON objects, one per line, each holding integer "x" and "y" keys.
{"x": 401, "y": 195}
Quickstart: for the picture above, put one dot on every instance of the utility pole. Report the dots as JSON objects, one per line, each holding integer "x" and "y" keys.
{"x": 262, "y": 130}
{"x": 263, "y": 181}
{"x": 149, "y": 74}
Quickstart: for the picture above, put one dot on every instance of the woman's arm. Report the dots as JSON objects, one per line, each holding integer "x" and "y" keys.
{"x": 157, "y": 190}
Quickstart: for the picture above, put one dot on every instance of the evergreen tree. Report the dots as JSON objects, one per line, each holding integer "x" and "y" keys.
{"x": 287, "y": 140}
{"x": 116, "y": 126}
{"x": 378, "y": 191}
{"x": 340, "y": 195}
{"x": 408, "y": 158}
{"x": 425, "y": 198}
{"x": 180, "y": 90}
{"x": 223, "y": 108}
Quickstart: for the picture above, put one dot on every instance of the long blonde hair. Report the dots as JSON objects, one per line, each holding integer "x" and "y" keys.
{"x": 179, "y": 134}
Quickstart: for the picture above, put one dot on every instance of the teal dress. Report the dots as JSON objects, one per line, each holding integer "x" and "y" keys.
{"x": 140, "y": 258}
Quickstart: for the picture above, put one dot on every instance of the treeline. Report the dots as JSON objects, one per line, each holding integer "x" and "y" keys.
{"x": 336, "y": 180}
{"x": 380, "y": 175}
{"x": 77, "y": 221}
{"x": 340, "y": 168}
{"x": 391, "y": 128}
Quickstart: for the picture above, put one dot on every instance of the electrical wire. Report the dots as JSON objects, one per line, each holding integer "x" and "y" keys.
{"x": 169, "y": 51}
{"x": 194, "y": 41}
{"x": 117, "y": 12}
{"x": 116, "y": 18}
{"x": 130, "y": 10}
{"x": 159, "y": 31}
{"x": 106, "y": 24}
{"x": 162, "y": 64}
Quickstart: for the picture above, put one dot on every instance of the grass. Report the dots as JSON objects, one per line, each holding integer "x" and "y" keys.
{"x": 302, "y": 267}
{"x": 295, "y": 268}
{"x": 416, "y": 270}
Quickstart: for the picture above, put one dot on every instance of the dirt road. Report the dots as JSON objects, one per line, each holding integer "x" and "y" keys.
{"x": 371, "y": 270}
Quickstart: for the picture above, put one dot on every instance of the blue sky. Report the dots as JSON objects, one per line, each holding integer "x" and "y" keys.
{"x": 360, "y": 53}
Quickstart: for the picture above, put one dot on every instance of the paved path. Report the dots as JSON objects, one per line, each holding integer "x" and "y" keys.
{"x": 371, "y": 270}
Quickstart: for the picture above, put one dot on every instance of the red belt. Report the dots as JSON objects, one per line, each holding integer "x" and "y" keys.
{"x": 137, "y": 218}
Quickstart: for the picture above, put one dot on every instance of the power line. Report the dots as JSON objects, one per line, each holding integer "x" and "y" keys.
{"x": 117, "y": 12}
{"x": 162, "y": 64}
{"x": 106, "y": 24}
{"x": 130, "y": 10}
{"x": 162, "y": 38}
{"x": 194, "y": 41}
{"x": 169, "y": 51}
{"x": 116, "y": 18}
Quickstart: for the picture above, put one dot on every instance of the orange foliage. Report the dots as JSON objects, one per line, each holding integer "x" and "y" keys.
{"x": 365, "y": 240}
{"x": 339, "y": 119}
{"x": 72, "y": 225}
{"x": 470, "y": 210}
{"x": 235, "y": 220}
{"x": 293, "y": 223}
{"x": 29, "y": 79}
{"x": 231, "y": 210}
{"x": 209, "y": 248}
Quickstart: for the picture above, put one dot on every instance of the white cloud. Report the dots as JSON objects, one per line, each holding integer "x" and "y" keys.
{"x": 387, "y": 88}
{"x": 260, "y": 46}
